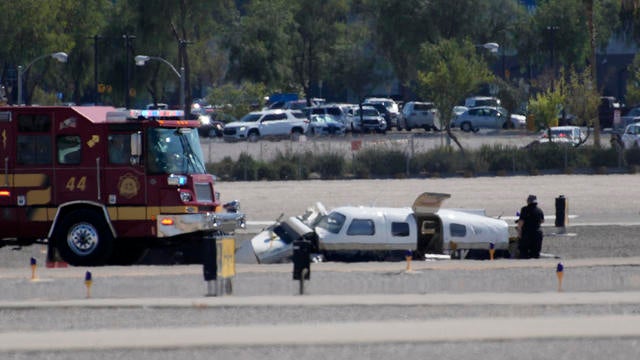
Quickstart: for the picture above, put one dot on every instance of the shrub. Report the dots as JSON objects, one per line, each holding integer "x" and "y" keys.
{"x": 499, "y": 158}
{"x": 244, "y": 168}
{"x": 391, "y": 163}
{"x": 632, "y": 156}
{"x": 381, "y": 162}
{"x": 604, "y": 158}
{"x": 329, "y": 165}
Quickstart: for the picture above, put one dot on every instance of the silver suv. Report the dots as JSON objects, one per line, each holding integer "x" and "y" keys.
{"x": 416, "y": 114}
{"x": 390, "y": 110}
{"x": 371, "y": 120}
{"x": 276, "y": 123}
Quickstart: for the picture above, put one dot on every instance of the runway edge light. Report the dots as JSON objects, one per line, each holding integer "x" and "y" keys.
{"x": 88, "y": 281}
{"x": 560, "y": 274}
{"x": 34, "y": 265}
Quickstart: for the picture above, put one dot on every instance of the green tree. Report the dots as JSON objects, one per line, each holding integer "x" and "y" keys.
{"x": 318, "y": 25}
{"x": 449, "y": 71}
{"x": 167, "y": 29}
{"x": 545, "y": 105}
{"x": 237, "y": 100}
{"x": 82, "y": 32}
{"x": 582, "y": 98}
{"x": 355, "y": 65}
{"x": 402, "y": 26}
{"x": 26, "y": 38}
{"x": 558, "y": 32}
{"x": 261, "y": 43}
{"x": 633, "y": 84}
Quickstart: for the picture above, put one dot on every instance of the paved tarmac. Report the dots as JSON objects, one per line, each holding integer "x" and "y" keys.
{"x": 593, "y": 199}
{"x": 439, "y": 309}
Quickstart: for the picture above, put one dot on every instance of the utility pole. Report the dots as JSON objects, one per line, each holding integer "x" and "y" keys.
{"x": 96, "y": 93}
{"x": 183, "y": 62}
{"x": 127, "y": 46}
{"x": 594, "y": 65}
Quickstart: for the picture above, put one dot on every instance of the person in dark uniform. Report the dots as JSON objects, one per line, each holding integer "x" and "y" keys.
{"x": 531, "y": 217}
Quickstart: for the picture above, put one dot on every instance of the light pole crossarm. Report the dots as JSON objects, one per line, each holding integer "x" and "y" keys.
{"x": 142, "y": 59}
{"x": 60, "y": 56}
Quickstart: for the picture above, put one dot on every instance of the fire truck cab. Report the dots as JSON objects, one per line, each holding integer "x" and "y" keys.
{"x": 102, "y": 185}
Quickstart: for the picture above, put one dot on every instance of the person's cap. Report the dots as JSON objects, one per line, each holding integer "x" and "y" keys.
{"x": 532, "y": 199}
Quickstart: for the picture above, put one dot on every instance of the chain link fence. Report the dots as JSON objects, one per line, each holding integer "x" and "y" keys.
{"x": 424, "y": 155}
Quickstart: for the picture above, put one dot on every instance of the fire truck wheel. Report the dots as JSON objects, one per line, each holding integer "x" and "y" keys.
{"x": 84, "y": 239}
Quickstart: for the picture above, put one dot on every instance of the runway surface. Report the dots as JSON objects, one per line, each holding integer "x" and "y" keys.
{"x": 439, "y": 309}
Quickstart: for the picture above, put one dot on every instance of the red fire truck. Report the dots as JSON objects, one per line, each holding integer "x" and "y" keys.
{"x": 101, "y": 185}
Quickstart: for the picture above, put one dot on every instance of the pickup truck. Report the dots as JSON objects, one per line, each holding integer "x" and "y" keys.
{"x": 276, "y": 123}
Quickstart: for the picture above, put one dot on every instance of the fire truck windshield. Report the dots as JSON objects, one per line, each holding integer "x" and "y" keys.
{"x": 174, "y": 151}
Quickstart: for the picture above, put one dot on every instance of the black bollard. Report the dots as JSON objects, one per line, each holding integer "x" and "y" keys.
{"x": 209, "y": 264}
{"x": 301, "y": 262}
{"x": 561, "y": 211}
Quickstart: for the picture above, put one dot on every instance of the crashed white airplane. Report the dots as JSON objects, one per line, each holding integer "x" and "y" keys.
{"x": 364, "y": 233}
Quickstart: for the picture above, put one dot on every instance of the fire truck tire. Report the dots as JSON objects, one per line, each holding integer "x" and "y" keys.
{"x": 84, "y": 239}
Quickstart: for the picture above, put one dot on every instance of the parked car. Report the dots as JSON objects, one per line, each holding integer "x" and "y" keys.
{"x": 341, "y": 112}
{"x": 212, "y": 124}
{"x": 607, "y": 109}
{"x": 391, "y": 111}
{"x": 416, "y": 114}
{"x": 157, "y": 106}
{"x": 481, "y": 117}
{"x": 518, "y": 121}
{"x": 475, "y": 101}
{"x": 632, "y": 116}
{"x": 273, "y": 124}
{"x": 631, "y": 135}
{"x": 209, "y": 127}
{"x": 325, "y": 125}
{"x": 370, "y": 119}
{"x": 570, "y": 135}
{"x": 487, "y": 117}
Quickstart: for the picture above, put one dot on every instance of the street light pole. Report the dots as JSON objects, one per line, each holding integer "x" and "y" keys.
{"x": 60, "y": 56}
{"x": 182, "y": 78}
{"x": 141, "y": 60}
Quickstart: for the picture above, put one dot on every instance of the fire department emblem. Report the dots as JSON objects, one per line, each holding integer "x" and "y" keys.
{"x": 128, "y": 186}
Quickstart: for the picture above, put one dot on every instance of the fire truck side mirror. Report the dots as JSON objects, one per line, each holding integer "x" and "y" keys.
{"x": 136, "y": 147}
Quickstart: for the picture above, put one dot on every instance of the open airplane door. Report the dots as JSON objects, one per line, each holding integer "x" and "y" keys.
{"x": 429, "y": 225}
{"x": 428, "y": 202}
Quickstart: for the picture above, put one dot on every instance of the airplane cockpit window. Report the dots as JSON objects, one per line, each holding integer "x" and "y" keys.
{"x": 332, "y": 222}
{"x": 458, "y": 230}
{"x": 361, "y": 227}
{"x": 399, "y": 229}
